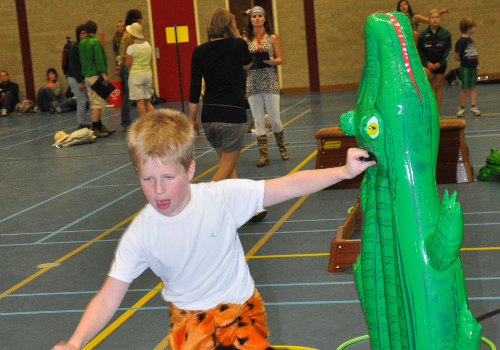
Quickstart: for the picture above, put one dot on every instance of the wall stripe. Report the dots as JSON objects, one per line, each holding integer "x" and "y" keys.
{"x": 312, "y": 45}
{"x": 22, "y": 22}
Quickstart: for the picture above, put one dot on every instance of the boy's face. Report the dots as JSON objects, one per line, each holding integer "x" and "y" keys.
{"x": 471, "y": 30}
{"x": 166, "y": 186}
{"x": 435, "y": 20}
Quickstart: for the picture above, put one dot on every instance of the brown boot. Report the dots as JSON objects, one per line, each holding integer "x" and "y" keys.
{"x": 262, "y": 141}
{"x": 280, "y": 141}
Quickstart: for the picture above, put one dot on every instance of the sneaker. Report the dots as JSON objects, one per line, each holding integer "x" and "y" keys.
{"x": 461, "y": 112}
{"x": 4, "y": 112}
{"x": 99, "y": 133}
{"x": 125, "y": 128}
{"x": 258, "y": 217}
{"x": 37, "y": 109}
{"x": 106, "y": 130}
{"x": 475, "y": 111}
{"x": 54, "y": 106}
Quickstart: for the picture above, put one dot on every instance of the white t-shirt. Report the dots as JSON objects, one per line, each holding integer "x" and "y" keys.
{"x": 197, "y": 253}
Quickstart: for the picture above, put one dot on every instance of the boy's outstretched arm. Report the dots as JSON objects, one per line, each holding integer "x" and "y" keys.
{"x": 99, "y": 311}
{"x": 309, "y": 181}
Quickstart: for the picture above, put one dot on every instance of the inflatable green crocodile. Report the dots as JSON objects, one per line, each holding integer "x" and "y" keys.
{"x": 409, "y": 275}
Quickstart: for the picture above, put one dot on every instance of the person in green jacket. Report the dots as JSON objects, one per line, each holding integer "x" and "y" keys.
{"x": 94, "y": 65}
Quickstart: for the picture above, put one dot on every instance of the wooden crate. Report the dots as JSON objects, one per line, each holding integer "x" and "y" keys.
{"x": 453, "y": 164}
{"x": 343, "y": 250}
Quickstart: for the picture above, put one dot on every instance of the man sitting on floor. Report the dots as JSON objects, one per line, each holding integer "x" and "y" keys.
{"x": 9, "y": 94}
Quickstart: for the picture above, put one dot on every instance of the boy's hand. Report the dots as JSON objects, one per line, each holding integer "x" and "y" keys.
{"x": 354, "y": 163}
{"x": 63, "y": 346}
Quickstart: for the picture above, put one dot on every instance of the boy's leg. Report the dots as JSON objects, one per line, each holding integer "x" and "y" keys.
{"x": 472, "y": 95}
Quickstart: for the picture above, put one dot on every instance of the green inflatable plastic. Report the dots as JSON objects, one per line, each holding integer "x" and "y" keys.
{"x": 409, "y": 275}
{"x": 492, "y": 165}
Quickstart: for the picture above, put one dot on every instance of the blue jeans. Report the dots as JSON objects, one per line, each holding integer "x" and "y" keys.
{"x": 8, "y": 103}
{"x": 44, "y": 97}
{"x": 81, "y": 101}
{"x": 68, "y": 105}
{"x": 125, "y": 112}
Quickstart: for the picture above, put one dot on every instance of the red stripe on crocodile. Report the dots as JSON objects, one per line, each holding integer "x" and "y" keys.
{"x": 404, "y": 51}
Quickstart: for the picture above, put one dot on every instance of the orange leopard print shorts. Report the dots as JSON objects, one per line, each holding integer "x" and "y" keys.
{"x": 242, "y": 326}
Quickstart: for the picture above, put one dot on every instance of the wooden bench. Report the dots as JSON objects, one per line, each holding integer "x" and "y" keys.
{"x": 453, "y": 163}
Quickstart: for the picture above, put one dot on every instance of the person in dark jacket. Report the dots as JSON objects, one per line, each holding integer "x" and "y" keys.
{"x": 434, "y": 48}
{"x": 76, "y": 80}
{"x": 9, "y": 94}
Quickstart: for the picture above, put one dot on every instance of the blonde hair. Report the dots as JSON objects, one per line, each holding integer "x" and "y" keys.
{"x": 164, "y": 135}
{"x": 220, "y": 25}
{"x": 434, "y": 11}
{"x": 466, "y": 23}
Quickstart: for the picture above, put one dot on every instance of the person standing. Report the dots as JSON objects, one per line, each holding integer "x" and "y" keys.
{"x": 133, "y": 16}
{"x": 466, "y": 53}
{"x": 76, "y": 80}
{"x": 220, "y": 62}
{"x": 434, "y": 48}
{"x": 9, "y": 94}
{"x": 138, "y": 60}
{"x": 94, "y": 65}
{"x": 263, "y": 85}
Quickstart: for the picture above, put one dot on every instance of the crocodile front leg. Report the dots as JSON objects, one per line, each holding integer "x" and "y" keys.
{"x": 443, "y": 245}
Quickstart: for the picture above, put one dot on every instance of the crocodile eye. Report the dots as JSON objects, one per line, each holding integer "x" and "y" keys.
{"x": 372, "y": 128}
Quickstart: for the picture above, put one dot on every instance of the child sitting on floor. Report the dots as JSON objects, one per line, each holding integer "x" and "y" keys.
{"x": 187, "y": 235}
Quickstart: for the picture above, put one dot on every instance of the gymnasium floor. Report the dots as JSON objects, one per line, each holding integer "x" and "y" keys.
{"x": 62, "y": 212}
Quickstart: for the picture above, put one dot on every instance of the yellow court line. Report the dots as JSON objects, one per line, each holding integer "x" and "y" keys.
{"x": 70, "y": 254}
{"x": 491, "y": 135}
{"x": 276, "y": 226}
{"x": 1, "y": 132}
{"x": 323, "y": 254}
{"x": 98, "y": 338}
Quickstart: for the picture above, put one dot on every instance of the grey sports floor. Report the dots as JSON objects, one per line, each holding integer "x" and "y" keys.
{"x": 68, "y": 207}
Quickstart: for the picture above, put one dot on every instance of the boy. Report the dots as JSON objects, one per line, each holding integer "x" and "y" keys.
{"x": 466, "y": 53}
{"x": 187, "y": 235}
{"x": 434, "y": 48}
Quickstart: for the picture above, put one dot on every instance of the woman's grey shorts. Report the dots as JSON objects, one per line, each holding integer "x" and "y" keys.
{"x": 228, "y": 136}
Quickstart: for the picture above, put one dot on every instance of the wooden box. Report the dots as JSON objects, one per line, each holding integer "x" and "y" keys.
{"x": 453, "y": 163}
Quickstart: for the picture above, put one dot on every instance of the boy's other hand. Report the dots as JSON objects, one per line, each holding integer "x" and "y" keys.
{"x": 63, "y": 346}
{"x": 354, "y": 166}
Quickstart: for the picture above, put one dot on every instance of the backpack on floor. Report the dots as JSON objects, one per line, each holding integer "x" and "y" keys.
{"x": 25, "y": 106}
{"x": 65, "y": 55}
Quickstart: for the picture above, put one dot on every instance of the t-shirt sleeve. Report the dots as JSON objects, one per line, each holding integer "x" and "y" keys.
{"x": 243, "y": 198}
{"x": 130, "y": 50}
{"x": 129, "y": 260}
{"x": 459, "y": 47}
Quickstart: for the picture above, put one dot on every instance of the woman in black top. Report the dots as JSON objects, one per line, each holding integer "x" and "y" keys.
{"x": 221, "y": 61}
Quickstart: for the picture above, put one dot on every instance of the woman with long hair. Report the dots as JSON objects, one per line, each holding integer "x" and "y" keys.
{"x": 262, "y": 83}
{"x": 50, "y": 94}
{"x": 220, "y": 62}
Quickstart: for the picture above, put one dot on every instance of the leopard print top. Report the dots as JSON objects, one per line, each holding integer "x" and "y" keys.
{"x": 262, "y": 81}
